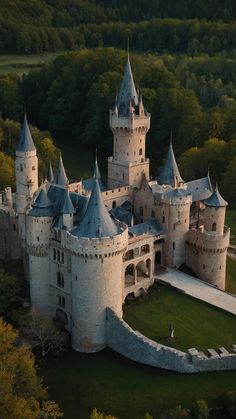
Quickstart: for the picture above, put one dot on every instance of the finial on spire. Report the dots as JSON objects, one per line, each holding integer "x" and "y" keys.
{"x": 128, "y": 47}
{"x": 171, "y": 135}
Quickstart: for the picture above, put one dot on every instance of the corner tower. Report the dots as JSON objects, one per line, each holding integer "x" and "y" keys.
{"x": 26, "y": 164}
{"x": 129, "y": 123}
{"x": 97, "y": 246}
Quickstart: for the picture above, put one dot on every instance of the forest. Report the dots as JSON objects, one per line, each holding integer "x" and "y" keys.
{"x": 185, "y": 26}
{"x": 194, "y": 97}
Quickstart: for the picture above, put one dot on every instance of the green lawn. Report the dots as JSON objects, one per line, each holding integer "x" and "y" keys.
{"x": 22, "y": 64}
{"x": 113, "y": 384}
{"x": 231, "y": 275}
{"x": 196, "y": 324}
{"x": 231, "y": 222}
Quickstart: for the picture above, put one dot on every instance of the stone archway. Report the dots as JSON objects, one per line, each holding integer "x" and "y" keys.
{"x": 130, "y": 275}
{"x": 142, "y": 271}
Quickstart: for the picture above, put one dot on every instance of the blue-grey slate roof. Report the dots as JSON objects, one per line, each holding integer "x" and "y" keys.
{"x": 121, "y": 214}
{"x": 67, "y": 207}
{"x": 25, "y": 142}
{"x": 50, "y": 175}
{"x": 200, "y": 189}
{"x": 96, "y": 221}
{"x": 42, "y": 206}
{"x": 127, "y": 93}
{"x": 170, "y": 173}
{"x": 60, "y": 177}
{"x": 215, "y": 200}
{"x": 151, "y": 226}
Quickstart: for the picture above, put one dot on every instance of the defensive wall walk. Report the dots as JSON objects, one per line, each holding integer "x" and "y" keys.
{"x": 199, "y": 289}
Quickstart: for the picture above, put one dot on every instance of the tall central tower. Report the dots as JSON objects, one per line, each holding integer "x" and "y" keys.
{"x": 129, "y": 123}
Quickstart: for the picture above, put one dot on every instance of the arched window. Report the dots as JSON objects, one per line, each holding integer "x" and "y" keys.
{"x": 58, "y": 256}
{"x": 113, "y": 204}
{"x": 54, "y": 254}
{"x": 163, "y": 219}
{"x": 141, "y": 211}
{"x": 214, "y": 227}
{"x": 153, "y": 215}
{"x": 62, "y": 257}
{"x": 140, "y": 151}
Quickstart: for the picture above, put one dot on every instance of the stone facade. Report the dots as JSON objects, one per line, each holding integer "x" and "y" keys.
{"x": 83, "y": 259}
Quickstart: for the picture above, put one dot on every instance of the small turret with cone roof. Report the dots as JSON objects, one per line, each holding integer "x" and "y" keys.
{"x": 170, "y": 172}
{"x": 214, "y": 213}
{"x": 26, "y": 164}
{"x": 60, "y": 177}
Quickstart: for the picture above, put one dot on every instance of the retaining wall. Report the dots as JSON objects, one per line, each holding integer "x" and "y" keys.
{"x": 135, "y": 346}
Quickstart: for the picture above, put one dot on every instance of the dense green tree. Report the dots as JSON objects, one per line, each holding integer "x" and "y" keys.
{"x": 200, "y": 410}
{"x": 9, "y": 292}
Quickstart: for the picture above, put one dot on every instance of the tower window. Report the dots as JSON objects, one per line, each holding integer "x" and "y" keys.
{"x": 203, "y": 265}
{"x": 60, "y": 280}
{"x": 62, "y": 257}
{"x": 141, "y": 211}
{"x": 61, "y": 301}
{"x": 173, "y": 245}
{"x": 140, "y": 151}
{"x": 113, "y": 204}
{"x": 21, "y": 167}
{"x": 153, "y": 214}
{"x": 54, "y": 254}
{"x": 58, "y": 256}
{"x": 33, "y": 168}
{"x": 214, "y": 227}
{"x": 163, "y": 219}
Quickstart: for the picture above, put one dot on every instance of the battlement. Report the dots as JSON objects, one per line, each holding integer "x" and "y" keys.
{"x": 97, "y": 247}
{"x": 132, "y": 123}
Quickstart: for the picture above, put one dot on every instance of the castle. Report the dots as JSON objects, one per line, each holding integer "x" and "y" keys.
{"x": 89, "y": 245}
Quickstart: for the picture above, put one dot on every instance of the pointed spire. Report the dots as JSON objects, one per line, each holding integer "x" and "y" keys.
{"x": 60, "y": 177}
{"x": 67, "y": 207}
{"x": 96, "y": 174}
{"x": 170, "y": 173}
{"x": 96, "y": 221}
{"x": 50, "y": 174}
{"x": 25, "y": 142}
{"x": 215, "y": 200}
{"x": 140, "y": 103}
{"x": 127, "y": 92}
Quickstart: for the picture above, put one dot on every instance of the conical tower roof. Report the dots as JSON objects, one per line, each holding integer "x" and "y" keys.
{"x": 42, "y": 206}
{"x": 50, "y": 174}
{"x": 25, "y": 142}
{"x": 127, "y": 94}
{"x": 60, "y": 177}
{"x": 67, "y": 207}
{"x": 170, "y": 173}
{"x": 97, "y": 174}
{"x": 96, "y": 221}
{"x": 215, "y": 200}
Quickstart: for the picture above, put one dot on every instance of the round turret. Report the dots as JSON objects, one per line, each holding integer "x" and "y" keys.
{"x": 97, "y": 246}
{"x": 214, "y": 214}
{"x": 38, "y": 222}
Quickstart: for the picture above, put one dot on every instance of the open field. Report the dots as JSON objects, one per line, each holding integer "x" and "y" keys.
{"x": 22, "y": 64}
{"x": 231, "y": 275}
{"x": 196, "y": 324}
{"x": 124, "y": 388}
{"x": 231, "y": 222}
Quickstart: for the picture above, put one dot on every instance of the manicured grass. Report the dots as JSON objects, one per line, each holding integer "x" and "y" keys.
{"x": 196, "y": 324}
{"x": 22, "y": 64}
{"x": 231, "y": 222}
{"x": 79, "y": 382}
{"x": 231, "y": 275}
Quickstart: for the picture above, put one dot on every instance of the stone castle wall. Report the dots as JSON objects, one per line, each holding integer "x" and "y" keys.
{"x": 135, "y": 346}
